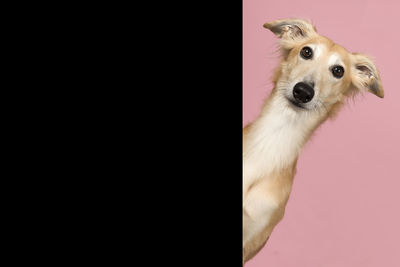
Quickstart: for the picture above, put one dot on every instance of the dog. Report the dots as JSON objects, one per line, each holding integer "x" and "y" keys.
{"x": 311, "y": 84}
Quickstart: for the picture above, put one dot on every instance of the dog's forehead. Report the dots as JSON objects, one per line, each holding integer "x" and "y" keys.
{"x": 328, "y": 43}
{"x": 319, "y": 49}
{"x": 326, "y": 48}
{"x": 334, "y": 59}
{"x": 340, "y": 50}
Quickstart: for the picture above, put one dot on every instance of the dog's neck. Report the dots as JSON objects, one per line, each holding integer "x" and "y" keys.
{"x": 277, "y": 136}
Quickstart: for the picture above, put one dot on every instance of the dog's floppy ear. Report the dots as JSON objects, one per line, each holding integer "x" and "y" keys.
{"x": 365, "y": 75}
{"x": 291, "y": 31}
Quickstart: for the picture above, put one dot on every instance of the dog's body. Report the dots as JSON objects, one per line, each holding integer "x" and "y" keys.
{"x": 308, "y": 90}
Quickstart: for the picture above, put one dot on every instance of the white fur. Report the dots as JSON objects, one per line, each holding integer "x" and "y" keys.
{"x": 259, "y": 209}
{"x": 318, "y": 50}
{"x": 275, "y": 142}
{"x": 335, "y": 59}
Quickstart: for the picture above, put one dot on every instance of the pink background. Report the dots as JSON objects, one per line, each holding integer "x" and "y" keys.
{"x": 344, "y": 206}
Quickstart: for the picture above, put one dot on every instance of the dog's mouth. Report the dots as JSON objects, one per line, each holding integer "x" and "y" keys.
{"x": 295, "y": 103}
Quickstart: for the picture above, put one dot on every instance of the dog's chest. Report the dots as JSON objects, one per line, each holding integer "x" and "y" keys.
{"x": 264, "y": 204}
{"x": 269, "y": 193}
{"x": 272, "y": 146}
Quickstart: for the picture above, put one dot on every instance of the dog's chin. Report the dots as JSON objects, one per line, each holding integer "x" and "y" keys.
{"x": 295, "y": 104}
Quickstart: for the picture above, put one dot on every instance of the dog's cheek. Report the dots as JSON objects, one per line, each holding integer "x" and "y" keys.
{"x": 286, "y": 71}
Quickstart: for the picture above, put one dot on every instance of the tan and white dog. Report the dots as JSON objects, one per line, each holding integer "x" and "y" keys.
{"x": 311, "y": 83}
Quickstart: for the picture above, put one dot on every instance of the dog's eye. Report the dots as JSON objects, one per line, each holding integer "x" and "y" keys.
{"x": 337, "y": 71}
{"x": 306, "y": 52}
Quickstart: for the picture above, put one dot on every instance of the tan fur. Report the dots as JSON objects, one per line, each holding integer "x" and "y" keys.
{"x": 279, "y": 187}
{"x": 271, "y": 185}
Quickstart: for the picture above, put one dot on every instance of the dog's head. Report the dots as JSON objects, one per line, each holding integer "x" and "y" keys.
{"x": 316, "y": 74}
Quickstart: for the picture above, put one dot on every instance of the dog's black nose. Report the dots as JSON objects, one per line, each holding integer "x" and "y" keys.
{"x": 303, "y": 92}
